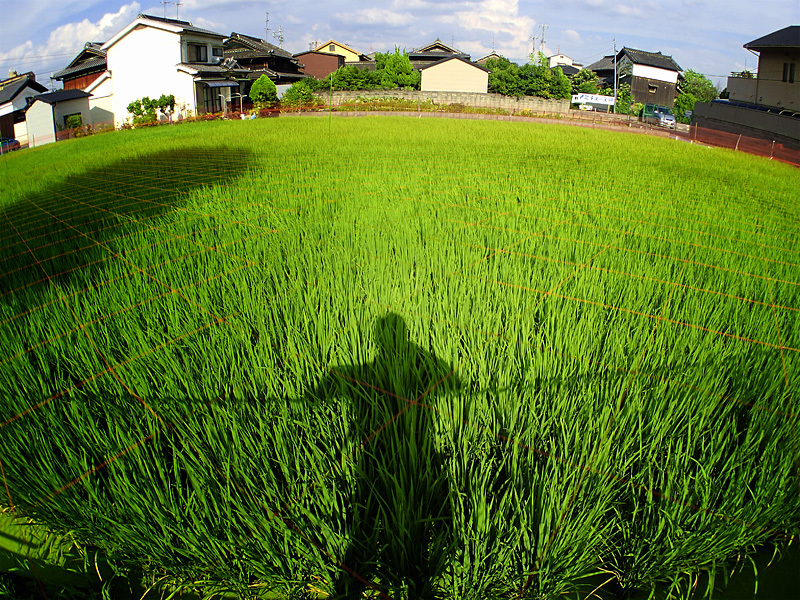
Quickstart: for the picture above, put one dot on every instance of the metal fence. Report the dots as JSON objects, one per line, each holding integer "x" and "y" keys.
{"x": 741, "y": 143}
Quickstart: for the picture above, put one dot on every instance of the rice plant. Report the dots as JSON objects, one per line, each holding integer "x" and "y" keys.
{"x": 402, "y": 358}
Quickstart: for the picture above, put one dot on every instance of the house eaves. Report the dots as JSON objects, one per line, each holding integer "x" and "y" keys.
{"x": 98, "y": 63}
{"x": 171, "y": 25}
{"x": 11, "y": 88}
{"x": 444, "y": 60}
{"x": 649, "y": 59}
{"x": 788, "y": 37}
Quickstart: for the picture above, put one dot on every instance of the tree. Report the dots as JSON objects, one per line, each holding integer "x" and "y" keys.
{"x": 683, "y": 103}
{"x": 263, "y": 91}
{"x": 350, "y": 77}
{"x": 698, "y": 85}
{"x": 395, "y": 71}
{"x": 585, "y": 82}
{"x": 560, "y": 86}
{"x": 504, "y": 77}
{"x": 301, "y": 93}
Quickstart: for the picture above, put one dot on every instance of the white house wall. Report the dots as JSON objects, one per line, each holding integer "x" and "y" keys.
{"x": 71, "y": 107}
{"x": 646, "y": 72}
{"x": 39, "y": 119}
{"x": 101, "y": 104}
{"x": 143, "y": 63}
{"x": 19, "y": 102}
{"x": 454, "y": 76}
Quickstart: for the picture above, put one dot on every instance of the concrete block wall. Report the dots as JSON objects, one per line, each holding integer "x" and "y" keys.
{"x": 477, "y": 100}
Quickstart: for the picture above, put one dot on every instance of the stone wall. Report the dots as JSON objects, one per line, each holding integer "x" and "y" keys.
{"x": 477, "y": 100}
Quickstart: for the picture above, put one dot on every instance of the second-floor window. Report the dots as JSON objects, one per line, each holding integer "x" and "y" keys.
{"x": 218, "y": 52}
{"x": 198, "y": 53}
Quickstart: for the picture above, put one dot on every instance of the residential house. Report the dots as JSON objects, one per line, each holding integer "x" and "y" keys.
{"x": 434, "y": 52}
{"x": 260, "y": 57}
{"x": 153, "y": 56}
{"x": 653, "y": 76}
{"x": 334, "y": 47}
{"x": 484, "y": 59}
{"x": 777, "y": 82}
{"x": 454, "y": 74}
{"x": 15, "y": 93}
{"x": 49, "y": 113}
{"x": 568, "y": 66}
{"x": 768, "y": 105}
{"x": 319, "y": 64}
{"x": 85, "y": 68}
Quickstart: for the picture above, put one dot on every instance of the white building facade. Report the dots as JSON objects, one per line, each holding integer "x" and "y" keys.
{"x": 154, "y": 57}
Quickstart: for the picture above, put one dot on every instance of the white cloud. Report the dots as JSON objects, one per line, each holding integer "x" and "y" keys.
{"x": 499, "y": 18}
{"x": 378, "y": 16}
{"x": 66, "y": 41}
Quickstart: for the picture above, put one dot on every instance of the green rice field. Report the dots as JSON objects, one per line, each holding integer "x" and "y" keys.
{"x": 391, "y": 357}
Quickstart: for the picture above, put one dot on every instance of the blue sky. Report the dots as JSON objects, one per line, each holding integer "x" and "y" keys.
{"x": 703, "y": 35}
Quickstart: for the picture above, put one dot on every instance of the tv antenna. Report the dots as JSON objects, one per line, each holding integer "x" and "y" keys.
{"x": 279, "y": 36}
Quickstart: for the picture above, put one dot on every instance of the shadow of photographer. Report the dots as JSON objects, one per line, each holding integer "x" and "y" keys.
{"x": 399, "y": 514}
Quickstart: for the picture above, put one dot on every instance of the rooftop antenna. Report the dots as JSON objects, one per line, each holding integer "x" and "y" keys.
{"x": 178, "y": 5}
{"x": 312, "y": 45}
{"x": 266, "y": 29}
{"x": 492, "y": 43}
{"x": 164, "y": 4}
{"x": 279, "y": 36}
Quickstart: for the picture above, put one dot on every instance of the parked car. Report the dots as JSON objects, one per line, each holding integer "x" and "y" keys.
{"x": 658, "y": 115}
{"x": 8, "y": 145}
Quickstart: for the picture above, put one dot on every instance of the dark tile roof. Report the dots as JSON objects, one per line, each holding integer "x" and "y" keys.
{"x": 62, "y": 96}
{"x": 650, "y": 59}
{"x": 206, "y": 69}
{"x": 604, "y": 64}
{"x": 185, "y": 25}
{"x": 10, "y": 88}
{"x": 568, "y": 69}
{"x": 254, "y": 45}
{"x": 788, "y": 37}
{"x": 435, "y": 51}
{"x": 94, "y": 64}
{"x": 639, "y": 57}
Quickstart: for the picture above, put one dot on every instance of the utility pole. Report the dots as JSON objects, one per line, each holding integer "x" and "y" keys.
{"x": 615, "y": 74}
{"x": 541, "y": 45}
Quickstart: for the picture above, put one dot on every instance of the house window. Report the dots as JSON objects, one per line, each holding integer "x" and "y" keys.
{"x": 331, "y": 48}
{"x": 216, "y": 52}
{"x": 73, "y": 121}
{"x": 652, "y": 88}
{"x": 789, "y": 72}
{"x": 198, "y": 53}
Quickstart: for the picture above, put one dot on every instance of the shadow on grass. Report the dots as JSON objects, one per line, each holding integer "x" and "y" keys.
{"x": 69, "y": 232}
{"x": 400, "y": 515}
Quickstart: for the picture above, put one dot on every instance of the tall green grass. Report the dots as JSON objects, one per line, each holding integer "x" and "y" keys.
{"x": 410, "y": 358}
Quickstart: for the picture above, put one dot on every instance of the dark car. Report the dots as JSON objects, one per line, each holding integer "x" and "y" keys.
{"x": 8, "y": 145}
